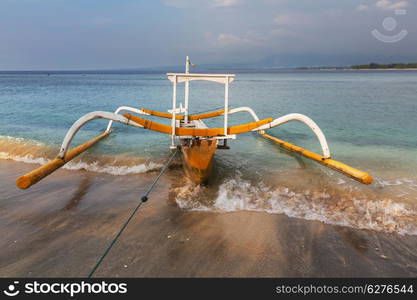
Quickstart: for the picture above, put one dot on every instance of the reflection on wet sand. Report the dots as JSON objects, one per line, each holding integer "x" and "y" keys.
{"x": 61, "y": 227}
{"x": 356, "y": 241}
{"x": 82, "y": 189}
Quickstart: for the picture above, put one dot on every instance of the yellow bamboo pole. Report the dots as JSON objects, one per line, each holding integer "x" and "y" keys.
{"x": 179, "y": 117}
{"x": 29, "y": 179}
{"x": 181, "y": 131}
{"x": 356, "y": 174}
{"x": 207, "y": 115}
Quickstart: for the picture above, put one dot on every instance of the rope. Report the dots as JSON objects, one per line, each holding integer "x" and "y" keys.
{"x": 143, "y": 199}
{"x": 215, "y": 108}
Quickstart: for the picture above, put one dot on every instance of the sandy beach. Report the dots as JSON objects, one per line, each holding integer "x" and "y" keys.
{"x": 61, "y": 226}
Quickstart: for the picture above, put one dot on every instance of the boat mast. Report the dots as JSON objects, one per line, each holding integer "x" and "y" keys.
{"x": 173, "y": 112}
{"x": 187, "y": 88}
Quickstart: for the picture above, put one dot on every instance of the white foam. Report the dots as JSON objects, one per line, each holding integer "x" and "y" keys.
{"x": 109, "y": 168}
{"x": 20, "y": 140}
{"x": 237, "y": 194}
{"x": 93, "y": 167}
{"x": 399, "y": 181}
{"x": 112, "y": 169}
{"x": 25, "y": 158}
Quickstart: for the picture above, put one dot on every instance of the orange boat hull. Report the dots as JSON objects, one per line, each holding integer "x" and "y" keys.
{"x": 198, "y": 158}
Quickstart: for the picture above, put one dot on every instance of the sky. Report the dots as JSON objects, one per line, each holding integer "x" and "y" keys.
{"x": 117, "y": 34}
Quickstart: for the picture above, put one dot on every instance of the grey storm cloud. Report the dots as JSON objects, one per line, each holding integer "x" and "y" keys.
{"x": 59, "y": 34}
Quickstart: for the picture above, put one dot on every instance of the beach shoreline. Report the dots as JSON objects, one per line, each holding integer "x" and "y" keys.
{"x": 266, "y": 212}
{"x": 62, "y": 225}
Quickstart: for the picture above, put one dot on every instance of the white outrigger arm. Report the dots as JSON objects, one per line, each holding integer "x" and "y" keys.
{"x": 303, "y": 119}
{"x": 92, "y": 116}
{"x": 324, "y": 159}
{"x": 285, "y": 119}
{"x": 64, "y": 155}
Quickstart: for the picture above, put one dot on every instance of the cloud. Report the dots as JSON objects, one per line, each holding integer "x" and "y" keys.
{"x": 101, "y": 21}
{"x": 283, "y": 20}
{"x": 293, "y": 19}
{"x": 231, "y": 40}
{"x": 384, "y": 5}
{"x": 249, "y": 40}
{"x": 119, "y": 36}
{"x": 210, "y": 3}
{"x": 278, "y": 32}
{"x": 177, "y": 3}
{"x": 362, "y": 7}
{"x": 388, "y": 5}
{"x": 225, "y": 3}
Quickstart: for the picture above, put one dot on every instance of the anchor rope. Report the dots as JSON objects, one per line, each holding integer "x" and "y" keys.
{"x": 143, "y": 199}
{"x": 210, "y": 109}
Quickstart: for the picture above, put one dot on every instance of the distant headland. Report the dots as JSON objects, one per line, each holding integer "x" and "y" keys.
{"x": 371, "y": 66}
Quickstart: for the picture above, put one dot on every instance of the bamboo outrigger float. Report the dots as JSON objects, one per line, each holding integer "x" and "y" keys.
{"x": 197, "y": 142}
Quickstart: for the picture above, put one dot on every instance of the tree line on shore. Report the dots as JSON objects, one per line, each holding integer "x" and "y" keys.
{"x": 374, "y": 66}
{"x": 386, "y": 66}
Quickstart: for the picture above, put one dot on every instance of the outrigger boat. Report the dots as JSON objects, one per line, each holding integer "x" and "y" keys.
{"x": 188, "y": 132}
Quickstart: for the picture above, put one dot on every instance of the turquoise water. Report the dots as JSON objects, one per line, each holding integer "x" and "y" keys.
{"x": 369, "y": 119}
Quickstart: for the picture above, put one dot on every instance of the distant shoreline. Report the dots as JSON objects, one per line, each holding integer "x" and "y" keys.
{"x": 261, "y": 70}
{"x": 211, "y": 68}
{"x": 391, "y": 69}
{"x": 352, "y": 69}
{"x": 369, "y": 67}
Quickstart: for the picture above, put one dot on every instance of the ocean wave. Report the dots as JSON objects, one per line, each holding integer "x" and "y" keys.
{"x": 33, "y": 152}
{"x": 92, "y": 167}
{"x": 399, "y": 181}
{"x": 114, "y": 169}
{"x": 336, "y": 207}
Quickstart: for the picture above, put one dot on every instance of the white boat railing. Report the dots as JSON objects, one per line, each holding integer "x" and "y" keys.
{"x": 125, "y": 108}
{"x": 176, "y": 78}
{"x": 244, "y": 109}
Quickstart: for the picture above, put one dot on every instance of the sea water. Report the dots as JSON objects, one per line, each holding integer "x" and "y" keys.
{"x": 369, "y": 119}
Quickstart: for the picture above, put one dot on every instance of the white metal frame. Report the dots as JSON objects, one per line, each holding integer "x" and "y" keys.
{"x": 304, "y": 119}
{"x": 186, "y": 89}
{"x": 244, "y": 109}
{"x": 183, "y": 77}
{"x": 126, "y": 108}
{"x": 186, "y": 77}
{"x": 174, "y": 108}
{"x": 226, "y": 104}
{"x": 87, "y": 118}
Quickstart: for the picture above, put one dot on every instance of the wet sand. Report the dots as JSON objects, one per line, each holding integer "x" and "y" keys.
{"x": 62, "y": 225}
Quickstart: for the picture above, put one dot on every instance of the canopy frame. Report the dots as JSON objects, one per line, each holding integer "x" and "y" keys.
{"x": 176, "y": 78}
